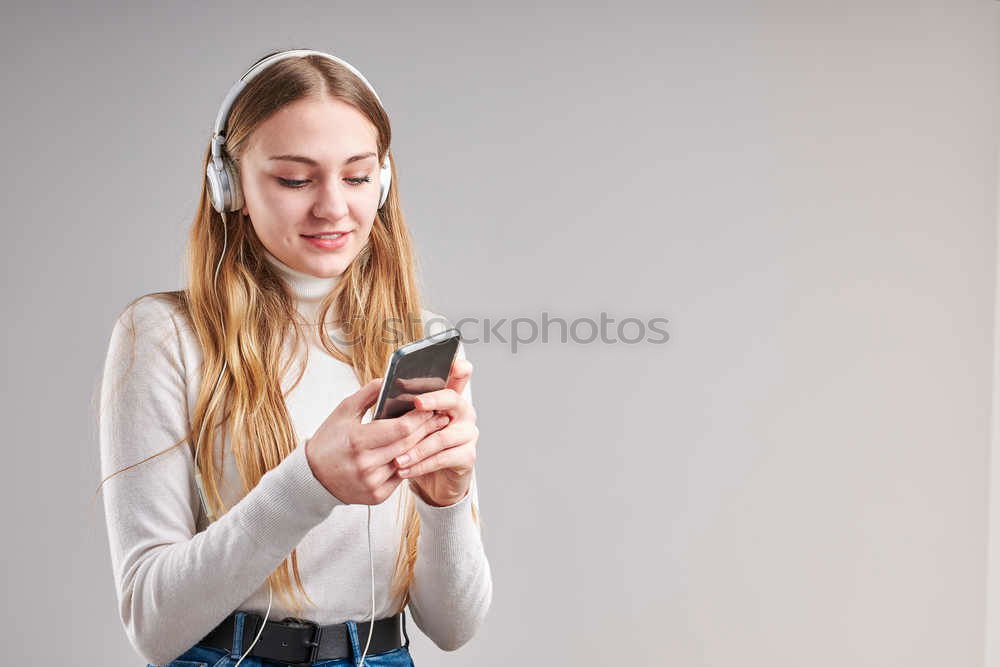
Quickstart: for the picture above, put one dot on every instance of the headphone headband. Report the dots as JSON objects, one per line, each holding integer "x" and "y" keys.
{"x": 219, "y": 139}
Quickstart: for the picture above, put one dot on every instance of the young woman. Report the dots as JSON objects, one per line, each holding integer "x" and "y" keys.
{"x": 254, "y": 516}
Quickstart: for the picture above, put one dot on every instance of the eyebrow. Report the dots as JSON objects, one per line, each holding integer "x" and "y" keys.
{"x": 305, "y": 160}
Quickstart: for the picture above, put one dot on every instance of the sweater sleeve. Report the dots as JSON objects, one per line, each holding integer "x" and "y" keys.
{"x": 175, "y": 585}
{"x": 452, "y": 587}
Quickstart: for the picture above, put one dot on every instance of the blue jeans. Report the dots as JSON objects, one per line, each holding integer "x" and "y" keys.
{"x": 209, "y": 656}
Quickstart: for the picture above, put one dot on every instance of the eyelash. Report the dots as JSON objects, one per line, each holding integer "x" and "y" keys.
{"x": 289, "y": 183}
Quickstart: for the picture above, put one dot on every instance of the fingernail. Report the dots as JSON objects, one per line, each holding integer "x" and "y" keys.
{"x": 442, "y": 420}
{"x": 404, "y": 473}
{"x": 403, "y": 460}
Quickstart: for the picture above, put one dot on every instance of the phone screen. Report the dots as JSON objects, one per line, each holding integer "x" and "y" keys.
{"x": 416, "y": 368}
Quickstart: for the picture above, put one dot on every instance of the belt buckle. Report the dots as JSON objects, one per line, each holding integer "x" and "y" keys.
{"x": 313, "y": 644}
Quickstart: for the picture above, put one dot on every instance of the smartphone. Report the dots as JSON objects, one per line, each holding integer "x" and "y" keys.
{"x": 416, "y": 368}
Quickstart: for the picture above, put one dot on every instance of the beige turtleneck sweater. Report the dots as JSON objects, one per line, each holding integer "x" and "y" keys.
{"x": 177, "y": 576}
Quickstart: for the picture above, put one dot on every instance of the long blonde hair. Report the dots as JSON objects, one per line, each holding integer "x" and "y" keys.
{"x": 243, "y": 322}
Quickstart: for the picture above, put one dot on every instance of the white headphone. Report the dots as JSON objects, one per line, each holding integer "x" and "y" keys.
{"x": 223, "y": 176}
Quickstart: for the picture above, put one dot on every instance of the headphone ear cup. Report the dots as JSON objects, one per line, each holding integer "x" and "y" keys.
{"x": 235, "y": 188}
{"x": 224, "y": 186}
{"x": 384, "y": 180}
{"x": 216, "y": 188}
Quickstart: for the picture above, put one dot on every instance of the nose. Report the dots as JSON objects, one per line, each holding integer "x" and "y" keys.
{"x": 331, "y": 201}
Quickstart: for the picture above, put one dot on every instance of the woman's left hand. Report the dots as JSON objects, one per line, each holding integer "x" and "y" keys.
{"x": 439, "y": 467}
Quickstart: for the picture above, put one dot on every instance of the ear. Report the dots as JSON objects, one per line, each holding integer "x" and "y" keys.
{"x": 245, "y": 211}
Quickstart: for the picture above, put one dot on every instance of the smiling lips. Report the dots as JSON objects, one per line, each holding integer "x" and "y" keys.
{"x": 330, "y": 241}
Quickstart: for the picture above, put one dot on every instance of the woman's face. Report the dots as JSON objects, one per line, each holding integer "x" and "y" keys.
{"x": 312, "y": 168}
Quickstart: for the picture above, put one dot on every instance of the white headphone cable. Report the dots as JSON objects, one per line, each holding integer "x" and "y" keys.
{"x": 197, "y": 472}
{"x": 259, "y": 632}
{"x": 371, "y": 561}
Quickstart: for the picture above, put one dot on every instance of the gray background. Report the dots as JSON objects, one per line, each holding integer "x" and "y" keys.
{"x": 806, "y": 190}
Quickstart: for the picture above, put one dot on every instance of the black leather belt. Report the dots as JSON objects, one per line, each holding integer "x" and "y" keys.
{"x": 300, "y": 642}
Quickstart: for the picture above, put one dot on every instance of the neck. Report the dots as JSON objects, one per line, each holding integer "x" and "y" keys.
{"x": 307, "y": 290}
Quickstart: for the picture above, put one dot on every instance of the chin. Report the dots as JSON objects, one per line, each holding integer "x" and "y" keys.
{"x": 324, "y": 270}
{"x": 327, "y": 268}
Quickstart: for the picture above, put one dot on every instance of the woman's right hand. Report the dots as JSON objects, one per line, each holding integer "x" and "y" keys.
{"x": 354, "y": 461}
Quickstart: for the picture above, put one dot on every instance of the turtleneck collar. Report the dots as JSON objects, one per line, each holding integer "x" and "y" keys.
{"x": 308, "y": 290}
